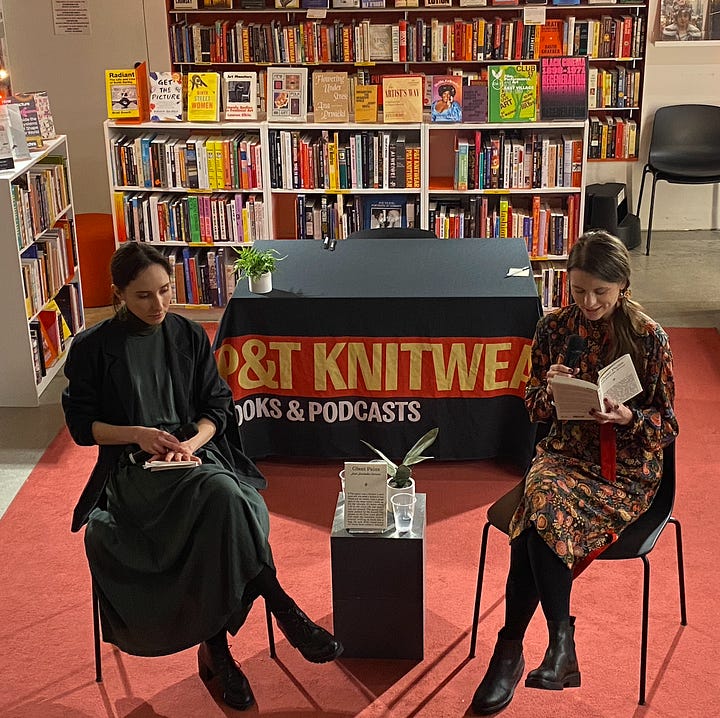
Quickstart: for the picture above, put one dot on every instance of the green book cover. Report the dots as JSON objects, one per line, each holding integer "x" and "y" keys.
{"x": 194, "y": 215}
{"x": 512, "y": 93}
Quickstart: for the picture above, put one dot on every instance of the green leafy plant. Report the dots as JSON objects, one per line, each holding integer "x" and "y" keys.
{"x": 254, "y": 263}
{"x": 400, "y": 473}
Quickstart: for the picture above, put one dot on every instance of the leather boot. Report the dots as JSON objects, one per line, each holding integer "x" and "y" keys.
{"x": 314, "y": 642}
{"x": 504, "y": 673}
{"x": 216, "y": 660}
{"x": 559, "y": 668}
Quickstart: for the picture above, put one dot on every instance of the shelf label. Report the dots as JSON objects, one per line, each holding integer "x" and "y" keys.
{"x": 534, "y": 15}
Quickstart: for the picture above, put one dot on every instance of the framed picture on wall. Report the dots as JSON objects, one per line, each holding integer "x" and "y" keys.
{"x": 688, "y": 20}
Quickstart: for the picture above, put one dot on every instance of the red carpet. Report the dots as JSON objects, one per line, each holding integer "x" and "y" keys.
{"x": 46, "y": 663}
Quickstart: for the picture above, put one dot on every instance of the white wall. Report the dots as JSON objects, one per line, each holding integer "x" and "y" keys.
{"x": 72, "y": 68}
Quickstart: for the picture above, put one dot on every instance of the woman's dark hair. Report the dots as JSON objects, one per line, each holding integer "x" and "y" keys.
{"x": 447, "y": 87}
{"x": 129, "y": 260}
{"x": 603, "y": 255}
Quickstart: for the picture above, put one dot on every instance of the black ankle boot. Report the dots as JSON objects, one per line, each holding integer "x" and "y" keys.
{"x": 559, "y": 668}
{"x": 215, "y": 659}
{"x": 504, "y": 673}
{"x": 314, "y": 642}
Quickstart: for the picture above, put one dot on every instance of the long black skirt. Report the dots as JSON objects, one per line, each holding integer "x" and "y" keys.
{"x": 172, "y": 554}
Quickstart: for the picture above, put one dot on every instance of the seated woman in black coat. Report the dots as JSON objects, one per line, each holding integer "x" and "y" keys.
{"x": 177, "y": 556}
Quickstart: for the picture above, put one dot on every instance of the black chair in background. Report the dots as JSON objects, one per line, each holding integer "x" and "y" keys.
{"x": 96, "y": 633}
{"x": 636, "y": 541}
{"x": 684, "y": 149}
{"x": 393, "y": 233}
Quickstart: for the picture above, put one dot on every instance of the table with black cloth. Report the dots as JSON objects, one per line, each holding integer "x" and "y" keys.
{"x": 382, "y": 340}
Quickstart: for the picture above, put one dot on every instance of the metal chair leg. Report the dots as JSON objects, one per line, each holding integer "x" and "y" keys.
{"x": 681, "y": 569}
{"x": 650, "y": 217}
{"x": 478, "y": 589}
{"x": 644, "y": 641}
{"x": 646, "y": 169}
{"x": 270, "y": 630}
{"x": 96, "y": 635}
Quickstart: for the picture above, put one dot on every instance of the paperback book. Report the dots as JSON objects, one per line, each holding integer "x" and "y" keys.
{"x": 563, "y": 88}
{"x": 6, "y": 156}
{"x": 475, "y": 101}
{"x": 331, "y": 96}
{"x": 574, "y": 398}
{"x": 512, "y": 93}
{"x": 126, "y": 92}
{"x": 403, "y": 98}
{"x": 203, "y": 97}
{"x": 385, "y": 211}
{"x": 447, "y": 103}
{"x": 166, "y": 103}
{"x": 25, "y": 102}
{"x": 366, "y": 103}
{"x": 287, "y": 93}
{"x": 240, "y": 95}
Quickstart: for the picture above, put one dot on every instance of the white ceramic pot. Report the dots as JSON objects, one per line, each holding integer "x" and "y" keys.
{"x": 261, "y": 284}
{"x": 391, "y": 491}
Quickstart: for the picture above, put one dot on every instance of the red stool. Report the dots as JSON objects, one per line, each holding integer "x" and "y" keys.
{"x": 96, "y": 244}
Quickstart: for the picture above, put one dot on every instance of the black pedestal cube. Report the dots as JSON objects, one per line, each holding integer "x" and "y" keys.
{"x": 378, "y": 588}
{"x": 606, "y": 207}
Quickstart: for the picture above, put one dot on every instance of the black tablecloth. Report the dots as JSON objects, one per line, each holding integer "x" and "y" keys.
{"x": 371, "y": 326}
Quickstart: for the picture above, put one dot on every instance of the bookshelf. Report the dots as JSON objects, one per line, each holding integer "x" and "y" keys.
{"x": 196, "y": 191}
{"x": 41, "y": 292}
{"x": 384, "y": 38}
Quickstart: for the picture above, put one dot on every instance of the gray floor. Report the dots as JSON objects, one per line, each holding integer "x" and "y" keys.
{"x": 678, "y": 285}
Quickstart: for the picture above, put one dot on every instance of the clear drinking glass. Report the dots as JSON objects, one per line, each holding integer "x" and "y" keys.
{"x": 403, "y": 506}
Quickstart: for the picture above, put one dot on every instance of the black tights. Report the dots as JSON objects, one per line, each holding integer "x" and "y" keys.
{"x": 536, "y": 575}
{"x": 265, "y": 584}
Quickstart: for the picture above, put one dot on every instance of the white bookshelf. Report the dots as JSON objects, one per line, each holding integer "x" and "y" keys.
{"x": 19, "y": 383}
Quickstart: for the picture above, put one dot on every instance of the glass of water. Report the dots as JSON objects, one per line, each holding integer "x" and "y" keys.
{"x": 403, "y": 506}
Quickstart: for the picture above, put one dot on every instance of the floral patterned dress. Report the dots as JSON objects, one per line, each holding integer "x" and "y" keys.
{"x": 567, "y": 500}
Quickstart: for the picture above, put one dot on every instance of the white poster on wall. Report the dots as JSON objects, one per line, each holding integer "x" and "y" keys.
{"x": 71, "y": 17}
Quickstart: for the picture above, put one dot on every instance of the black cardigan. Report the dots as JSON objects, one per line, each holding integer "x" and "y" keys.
{"x": 97, "y": 391}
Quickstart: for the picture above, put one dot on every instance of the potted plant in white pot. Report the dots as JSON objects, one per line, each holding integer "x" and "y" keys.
{"x": 258, "y": 266}
{"x": 400, "y": 475}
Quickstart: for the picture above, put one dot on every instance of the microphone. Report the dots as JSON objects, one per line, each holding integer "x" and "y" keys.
{"x": 184, "y": 432}
{"x": 574, "y": 349}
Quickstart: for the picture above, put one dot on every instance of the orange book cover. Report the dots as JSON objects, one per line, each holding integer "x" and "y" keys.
{"x": 550, "y": 41}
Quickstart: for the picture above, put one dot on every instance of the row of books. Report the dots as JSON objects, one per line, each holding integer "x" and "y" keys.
{"x": 607, "y": 36}
{"x": 343, "y": 160}
{"x": 199, "y": 161}
{"x": 201, "y": 276}
{"x": 47, "y": 265}
{"x": 548, "y": 229}
{"x": 500, "y": 160}
{"x": 314, "y": 41}
{"x": 191, "y": 219}
{"x": 552, "y": 285}
{"x": 51, "y": 328}
{"x": 38, "y": 198}
{"x": 613, "y": 138}
{"x": 617, "y": 86}
{"x": 321, "y": 217}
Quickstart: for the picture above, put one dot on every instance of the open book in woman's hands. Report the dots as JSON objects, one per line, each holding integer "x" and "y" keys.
{"x": 574, "y": 398}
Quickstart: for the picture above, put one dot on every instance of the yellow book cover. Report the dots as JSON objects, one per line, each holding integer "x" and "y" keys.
{"x": 212, "y": 172}
{"x": 121, "y": 92}
{"x": 403, "y": 98}
{"x": 203, "y": 104}
{"x": 366, "y": 103}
